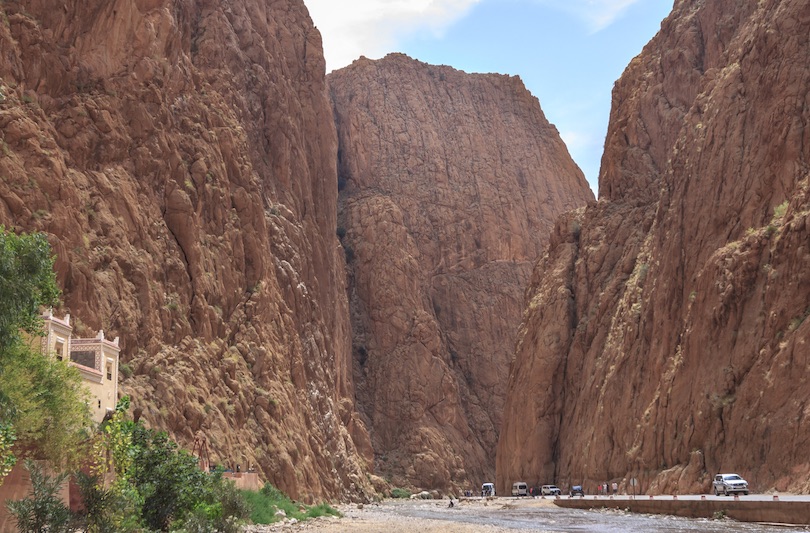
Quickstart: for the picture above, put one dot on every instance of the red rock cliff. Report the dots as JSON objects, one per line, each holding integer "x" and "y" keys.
{"x": 450, "y": 183}
{"x": 180, "y": 154}
{"x": 666, "y": 336}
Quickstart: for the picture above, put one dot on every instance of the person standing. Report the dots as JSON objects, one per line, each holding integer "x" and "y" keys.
{"x": 615, "y": 488}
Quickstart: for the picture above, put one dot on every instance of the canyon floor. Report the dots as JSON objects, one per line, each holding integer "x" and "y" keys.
{"x": 401, "y": 516}
{"x": 504, "y": 515}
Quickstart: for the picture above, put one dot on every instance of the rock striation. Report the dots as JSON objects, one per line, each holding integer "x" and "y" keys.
{"x": 181, "y": 157}
{"x": 666, "y": 336}
{"x": 449, "y": 185}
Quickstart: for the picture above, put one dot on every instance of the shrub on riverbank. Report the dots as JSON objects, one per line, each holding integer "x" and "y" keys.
{"x": 400, "y": 493}
{"x": 271, "y": 505}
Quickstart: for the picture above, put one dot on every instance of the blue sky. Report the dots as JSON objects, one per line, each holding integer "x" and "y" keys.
{"x": 568, "y": 52}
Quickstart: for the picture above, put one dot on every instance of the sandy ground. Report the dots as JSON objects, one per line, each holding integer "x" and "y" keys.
{"x": 383, "y": 518}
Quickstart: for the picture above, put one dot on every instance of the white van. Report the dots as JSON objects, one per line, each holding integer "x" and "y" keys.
{"x": 488, "y": 489}
{"x": 519, "y": 488}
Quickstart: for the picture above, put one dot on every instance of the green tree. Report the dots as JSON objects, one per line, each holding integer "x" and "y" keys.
{"x": 47, "y": 402}
{"x": 27, "y": 282}
{"x": 42, "y": 400}
{"x": 107, "y": 509}
{"x": 161, "y": 483}
{"x": 168, "y": 478}
{"x": 118, "y": 505}
{"x": 43, "y": 510}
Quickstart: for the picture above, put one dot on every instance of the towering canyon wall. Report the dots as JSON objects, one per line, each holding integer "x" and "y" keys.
{"x": 666, "y": 336}
{"x": 450, "y": 183}
{"x": 181, "y": 157}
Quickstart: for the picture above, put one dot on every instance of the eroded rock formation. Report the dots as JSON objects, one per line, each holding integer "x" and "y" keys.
{"x": 181, "y": 157}
{"x": 450, "y": 183}
{"x": 666, "y": 336}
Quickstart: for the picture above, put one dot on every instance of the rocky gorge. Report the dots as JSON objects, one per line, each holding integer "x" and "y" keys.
{"x": 335, "y": 279}
{"x": 450, "y": 183}
{"x": 182, "y": 157}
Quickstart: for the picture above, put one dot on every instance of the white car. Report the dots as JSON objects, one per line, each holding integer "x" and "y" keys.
{"x": 729, "y": 483}
{"x": 550, "y": 490}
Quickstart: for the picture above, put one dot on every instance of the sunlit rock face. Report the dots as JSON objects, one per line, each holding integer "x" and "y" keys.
{"x": 666, "y": 336}
{"x": 181, "y": 157}
{"x": 449, "y": 185}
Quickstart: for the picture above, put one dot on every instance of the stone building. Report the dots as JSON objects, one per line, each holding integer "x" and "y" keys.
{"x": 95, "y": 358}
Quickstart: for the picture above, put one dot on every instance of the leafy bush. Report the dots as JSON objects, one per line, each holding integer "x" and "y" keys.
{"x": 266, "y": 504}
{"x": 7, "y": 457}
{"x": 48, "y": 405}
{"x": 125, "y": 370}
{"x": 43, "y": 510}
{"x": 223, "y": 510}
{"x": 160, "y": 486}
{"x": 99, "y": 504}
{"x": 322, "y": 509}
{"x": 168, "y": 478}
{"x": 400, "y": 493}
{"x": 780, "y": 210}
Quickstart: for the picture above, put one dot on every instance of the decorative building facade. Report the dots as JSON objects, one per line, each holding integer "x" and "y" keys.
{"x": 96, "y": 359}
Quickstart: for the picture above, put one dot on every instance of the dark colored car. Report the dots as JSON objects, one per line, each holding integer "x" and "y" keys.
{"x": 577, "y": 489}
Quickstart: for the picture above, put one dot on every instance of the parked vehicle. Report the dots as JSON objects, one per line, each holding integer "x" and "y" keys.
{"x": 487, "y": 489}
{"x": 729, "y": 483}
{"x": 520, "y": 488}
{"x": 577, "y": 489}
{"x": 550, "y": 490}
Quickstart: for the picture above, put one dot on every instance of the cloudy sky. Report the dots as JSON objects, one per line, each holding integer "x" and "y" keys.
{"x": 568, "y": 52}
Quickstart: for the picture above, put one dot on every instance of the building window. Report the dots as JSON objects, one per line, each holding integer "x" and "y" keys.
{"x": 59, "y": 348}
{"x": 99, "y": 404}
{"x": 109, "y": 371}
{"x": 84, "y": 357}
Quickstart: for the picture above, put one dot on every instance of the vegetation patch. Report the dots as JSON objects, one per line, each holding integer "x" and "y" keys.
{"x": 780, "y": 210}
{"x": 400, "y": 493}
{"x": 799, "y": 320}
{"x": 270, "y": 505}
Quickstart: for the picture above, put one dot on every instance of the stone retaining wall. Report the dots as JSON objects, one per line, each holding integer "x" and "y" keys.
{"x": 774, "y": 511}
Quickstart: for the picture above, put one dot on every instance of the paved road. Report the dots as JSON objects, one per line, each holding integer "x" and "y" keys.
{"x": 750, "y": 497}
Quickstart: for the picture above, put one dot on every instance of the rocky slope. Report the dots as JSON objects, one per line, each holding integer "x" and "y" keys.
{"x": 180, "y": 154}
{"x": 450, "y": 183}
{"x": 666, "y": 335}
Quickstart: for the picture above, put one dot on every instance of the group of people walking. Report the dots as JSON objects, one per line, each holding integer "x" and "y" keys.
{"x": 606, "y": 489}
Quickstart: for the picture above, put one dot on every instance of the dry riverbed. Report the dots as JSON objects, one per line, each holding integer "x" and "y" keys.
{"x": 392, "y": 517}
{"x": 507, "y": 515}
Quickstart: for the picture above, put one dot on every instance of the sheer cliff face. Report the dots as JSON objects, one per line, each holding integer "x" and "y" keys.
{"x": 666, "y": 335}
{"x": 450, "y": 183}
{"x": 181, "y": 157}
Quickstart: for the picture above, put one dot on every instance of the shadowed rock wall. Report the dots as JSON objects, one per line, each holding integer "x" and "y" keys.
{"x": 450, "y": 183}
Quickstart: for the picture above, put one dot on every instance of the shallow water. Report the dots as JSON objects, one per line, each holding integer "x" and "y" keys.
{"x": 559, "y": 520}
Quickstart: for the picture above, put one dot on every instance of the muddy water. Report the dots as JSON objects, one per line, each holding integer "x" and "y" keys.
{"x": 558, "y": 520}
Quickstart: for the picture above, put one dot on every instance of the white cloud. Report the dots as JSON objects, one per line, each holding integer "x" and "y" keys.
{"x": 373, "y": 27}
{"x": 597, "y": 14}
{"x": 577, "y": 140}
